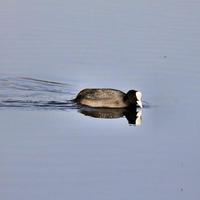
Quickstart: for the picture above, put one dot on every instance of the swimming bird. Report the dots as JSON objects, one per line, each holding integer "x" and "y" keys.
{"x": 109, "y": 98}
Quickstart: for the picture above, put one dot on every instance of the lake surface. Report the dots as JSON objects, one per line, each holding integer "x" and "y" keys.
{"x": 50, "y": 148}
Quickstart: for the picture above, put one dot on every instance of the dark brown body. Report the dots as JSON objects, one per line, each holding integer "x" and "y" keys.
{"x": 103, "y": 97}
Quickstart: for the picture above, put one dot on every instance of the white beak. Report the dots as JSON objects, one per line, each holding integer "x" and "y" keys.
{"x": 139, "y": 98}
{"x": 139, "y": 103}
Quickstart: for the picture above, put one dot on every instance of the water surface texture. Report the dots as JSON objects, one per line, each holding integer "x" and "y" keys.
{"x": 52, "y": 149}
{"x": 35, "y": 94}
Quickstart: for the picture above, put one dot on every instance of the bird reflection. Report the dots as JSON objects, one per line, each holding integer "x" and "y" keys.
{"x": 133, "y": 115}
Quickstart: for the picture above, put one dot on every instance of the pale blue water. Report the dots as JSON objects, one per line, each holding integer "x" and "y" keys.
{"x": 51, "y": 50}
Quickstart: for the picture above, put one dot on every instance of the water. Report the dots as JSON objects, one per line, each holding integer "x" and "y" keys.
{"x": 35, "y": 94}
{"x": 50, "y": 148}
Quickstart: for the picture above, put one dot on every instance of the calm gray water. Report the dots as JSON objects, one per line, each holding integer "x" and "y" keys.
{"x": 50, "y": 50}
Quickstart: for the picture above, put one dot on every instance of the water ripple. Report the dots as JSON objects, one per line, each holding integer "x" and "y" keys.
{"x": 32, "y": 93}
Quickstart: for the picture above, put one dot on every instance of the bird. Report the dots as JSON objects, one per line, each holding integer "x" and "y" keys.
{"x": 109, "y": 98}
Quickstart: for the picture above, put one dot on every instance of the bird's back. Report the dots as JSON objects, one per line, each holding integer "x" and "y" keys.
{"x": 102, "y": 97}
{"x": 101, "y": 93}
